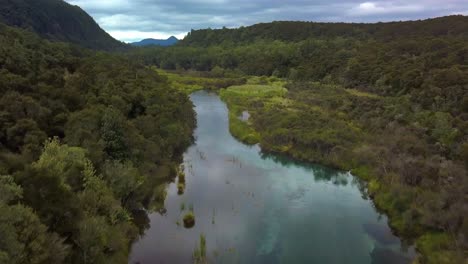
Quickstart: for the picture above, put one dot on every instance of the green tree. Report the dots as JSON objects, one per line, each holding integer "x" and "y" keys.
{"x": 113, "y": 134}
{"x": 24, "y": 239}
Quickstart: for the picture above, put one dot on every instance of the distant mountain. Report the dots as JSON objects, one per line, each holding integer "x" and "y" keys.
{"x": 57, "y": 20}
{"x": 157, "y": 42}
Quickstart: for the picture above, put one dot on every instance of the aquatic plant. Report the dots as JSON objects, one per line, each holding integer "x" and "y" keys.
{"x": 189, "y": 219}
{"x": 199, "y": 254}
{"x": 180, "y": 188}
{"x": 181, "y": 177}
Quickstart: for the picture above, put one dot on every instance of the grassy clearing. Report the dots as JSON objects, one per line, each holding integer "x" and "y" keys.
{"x": 242, "y": 130}
{"x": 189, "y": 82}
{"x": 240, "y": 98}
{"x": 255, "y": 90}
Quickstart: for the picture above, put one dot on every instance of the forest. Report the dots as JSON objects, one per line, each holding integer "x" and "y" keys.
{"x": 388, "y": 101}
{"x": 87, "y": 141}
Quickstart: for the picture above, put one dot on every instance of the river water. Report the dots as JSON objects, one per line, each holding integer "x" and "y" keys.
{"x": 257, "y": 208}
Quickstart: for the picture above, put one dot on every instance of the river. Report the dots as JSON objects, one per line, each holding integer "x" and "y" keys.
{"x": 257, "y": 208}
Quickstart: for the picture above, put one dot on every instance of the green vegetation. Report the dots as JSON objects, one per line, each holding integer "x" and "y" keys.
{"x": 86, "y": 140}
{"x": 180, "y": 180}
{"x": 388, "y": 101}
{"x": 180, "y": 188}
{"x": 189, "y": 219}
{"x": 181, "y": 175}
{"x": 191, "y": 81}
{"x": 436, "y": 248}
{"x": 199, "y": 255}
{"x": 334, "y": 126}
{"x": 296, "y": 31}
{"x": 237, "y": 97}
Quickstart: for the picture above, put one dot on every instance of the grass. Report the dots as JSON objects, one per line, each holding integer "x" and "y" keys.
{"x": 242, "y": 130}
{"x": 238, "y": 97}
{"x": 189, "y": 81}
{"x": 254, "y": 90}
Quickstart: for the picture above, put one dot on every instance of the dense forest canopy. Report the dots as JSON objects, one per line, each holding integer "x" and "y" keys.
{"x": 87, "y": 140}
{"x": 388, "y": 101}
{"x": 57, "y": 20}
{"x": 294, "y": 31}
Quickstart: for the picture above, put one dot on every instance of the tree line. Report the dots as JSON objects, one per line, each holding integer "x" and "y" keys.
{"x": 87, "y": 140}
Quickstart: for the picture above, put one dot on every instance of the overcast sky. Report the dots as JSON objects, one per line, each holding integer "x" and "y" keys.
{"x": 131, "y": 20}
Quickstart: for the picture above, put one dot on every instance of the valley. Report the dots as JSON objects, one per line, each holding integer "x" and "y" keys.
{"x": 278, "y": 142}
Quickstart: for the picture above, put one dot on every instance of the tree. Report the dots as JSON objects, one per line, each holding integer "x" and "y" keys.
{"x": 123, "y": 178}
{"x": 113, "y": 134}
{"x": 24, "y": 239}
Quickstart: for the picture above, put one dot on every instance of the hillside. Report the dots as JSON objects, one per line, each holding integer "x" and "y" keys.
{"x": 156, "y": 42}
{"x": 87, "y": 140}
{"x": 59, "y": 21}
{"x": 294, "y": 31}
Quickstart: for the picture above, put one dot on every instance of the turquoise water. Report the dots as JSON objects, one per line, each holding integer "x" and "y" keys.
{"x": 256, "y": 208}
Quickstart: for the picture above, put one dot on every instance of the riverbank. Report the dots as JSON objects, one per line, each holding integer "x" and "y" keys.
{"x": 257, "y": 208}
{"x": 336, "y": 127}
{"x": 377, "y": 138}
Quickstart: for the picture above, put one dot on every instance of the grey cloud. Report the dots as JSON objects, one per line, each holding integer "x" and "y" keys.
{"x": 131, "y": 20}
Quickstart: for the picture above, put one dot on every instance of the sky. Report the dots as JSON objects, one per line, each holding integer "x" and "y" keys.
{"x": 133, "y": 20}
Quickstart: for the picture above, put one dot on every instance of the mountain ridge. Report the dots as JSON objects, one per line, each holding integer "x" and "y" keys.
{"x": 58, "y": 21}
{"x": 156, "y": 42}
{"x": 294, "y": 31}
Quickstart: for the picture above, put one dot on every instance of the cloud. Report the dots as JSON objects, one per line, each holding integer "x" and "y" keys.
{"x": 372, "y": 8}
{"x": 135, "y": 35}
{"x": 131, "y": 20}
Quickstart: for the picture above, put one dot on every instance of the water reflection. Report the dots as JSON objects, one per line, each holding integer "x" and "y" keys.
{"x": 259, "y": 208}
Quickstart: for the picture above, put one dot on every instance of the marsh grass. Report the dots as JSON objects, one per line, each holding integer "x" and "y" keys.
{"x": 189, "y": 81}
{"x": 238, "y": 97}
{"x": 199, "y": 254}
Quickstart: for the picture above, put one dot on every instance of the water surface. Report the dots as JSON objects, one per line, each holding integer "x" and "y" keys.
{"x": 256, "y": 208}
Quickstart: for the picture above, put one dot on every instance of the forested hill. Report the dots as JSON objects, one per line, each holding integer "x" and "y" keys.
{"x": 293, "y": 31}
{"x": 87, "y": 140}
{"x": 57, "y": 20}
